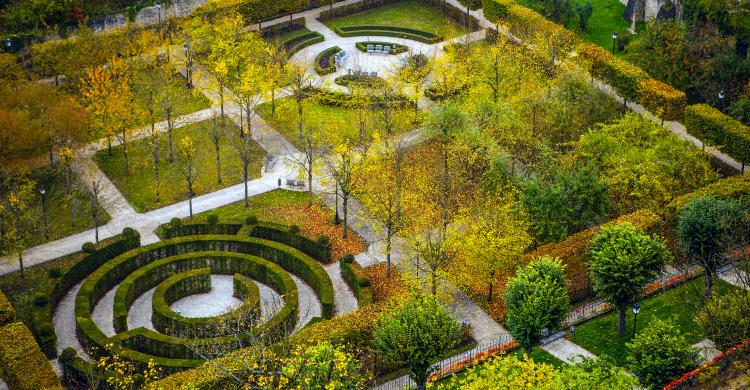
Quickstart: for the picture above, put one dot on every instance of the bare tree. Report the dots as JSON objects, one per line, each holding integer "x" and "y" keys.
{"x": 243, "y": 146}
{"x": 300, "y": 83}
{"x": 188, "y": 169}
{"x": 216, "y": 132}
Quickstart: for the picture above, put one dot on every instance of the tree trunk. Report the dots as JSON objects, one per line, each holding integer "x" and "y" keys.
{"x": 20, "y": 263}
{"x": 388, "y": 244}
{"x": 309, "y": 186}
{"x": 218, "y": 162}
{"x": 109, "y": 145}
{"x": 345, "y": 205}
{"x": 621, "y": 321}
{"x": 190, "y": 199}
{"x": 708, "y": 281}
{"x": 169, "y": 135}
{"x": 125, "y": 156}
{"x": 244, "y": 176}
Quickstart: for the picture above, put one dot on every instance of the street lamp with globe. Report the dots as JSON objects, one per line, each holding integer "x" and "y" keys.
{"x": 636, "y": 310}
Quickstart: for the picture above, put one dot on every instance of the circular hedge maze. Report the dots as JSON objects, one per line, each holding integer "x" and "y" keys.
{"x": 258, "y": 257}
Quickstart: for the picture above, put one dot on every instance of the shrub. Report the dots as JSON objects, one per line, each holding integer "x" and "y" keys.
{"x": 175, "y": 222}
{"x": 212, "y": 219}
{"x": 300, "y": 42}
{"x": 348, "y": 258}
{"x": 713, "y": 127}
{"x": 662, "y": 100}
{"x": 251, "y": 220}
{"x": 22, "y": 363}
{"x": 7, "y": 312}
{"x": 359, "y": 283}
{"x": 389, "y": 31}
{"x": 660, "y": 353}
{"x": 294, "y": 229}
{"x": 46, "y": 329}
{"x": 54, "y": 272}
{"x": 284, "y": 235}
{"x": 395, "y": 47}
{"x": 40, "y": 299}
{"x": 325, "y": 62}
{"x": 623, "y": 76}
{"x": 258, "y": 10}
{"x": 88, "y": 247}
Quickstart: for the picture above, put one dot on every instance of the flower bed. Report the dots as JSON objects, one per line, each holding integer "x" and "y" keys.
{"x": 471, "y": 361}
{"x": 738, "y": 352}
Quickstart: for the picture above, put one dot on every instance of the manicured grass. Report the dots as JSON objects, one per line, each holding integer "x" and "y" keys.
{"x": 187, "y": 100}
{"x": 260, "y": 205}
{"x": 413, "y": 14}
{"x": 606, "y": 19}
{"x": 279, "y": 40}
{"x": 537, "y": 354}
{"x": 138, "y": 188}
{"x": 324, "y": 118}
{"x": 66, "y": 214}
{"x": 599, "y": 335}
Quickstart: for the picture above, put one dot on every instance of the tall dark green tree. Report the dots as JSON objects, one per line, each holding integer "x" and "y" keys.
{"x": 623, "y": 260}
{"x": 536, "y": 299}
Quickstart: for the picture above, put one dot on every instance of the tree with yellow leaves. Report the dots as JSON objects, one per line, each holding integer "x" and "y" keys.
{"x": 16, "y": 232}
{"x": 108, "y": 99}
{"x": 188, "y": 169}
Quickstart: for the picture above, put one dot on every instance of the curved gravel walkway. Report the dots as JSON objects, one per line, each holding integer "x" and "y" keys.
{"x": 103, "y": 313}
{"x": 309, "y": 304}
{"x": 64, "y": 319}
{"x": 215, "y": 302}
{"x": 343, "y": 298}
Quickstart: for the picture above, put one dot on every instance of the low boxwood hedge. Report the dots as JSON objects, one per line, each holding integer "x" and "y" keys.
{"x": 395, "y": 47}
{"x": 280, "y": 233}
{"x": 171, "y": 290}
{"x": 352, "y": 273}
{"x": 300, "y": 42}
{"x": 326, "y": 55}
{"x": 389, "y": 31}
{"x": 22, "y": 363}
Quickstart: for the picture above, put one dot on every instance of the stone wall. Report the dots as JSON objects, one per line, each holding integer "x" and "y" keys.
{"x": 149, "y": 15}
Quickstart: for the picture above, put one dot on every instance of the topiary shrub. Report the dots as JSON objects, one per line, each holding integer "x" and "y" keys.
{"x": 46, "y": 329}
{"x": 294, "y": 229}
{"x": 348, "y": 258}
{"x": 324, "y": 240}
{"x": 54, "y": 272}
{"x": 212, "y": 219}
{"x": 175, "y": 222}
{"x": 88, "y": 247}
{"x": 251, "y": 220}
{"x": 67, "y": 355}
{"x": 40, "y": 299}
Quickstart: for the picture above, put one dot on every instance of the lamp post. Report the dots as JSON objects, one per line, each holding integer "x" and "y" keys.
{"x": 8, "y": 44}
{"x": 614, "y": 41}
{"x": 336, "y": 219}
{"x": 721, "y": 97}
{"x": 158, "y": 9}
{"x": 44, "y": 213}
{"x": 636, "y": 310}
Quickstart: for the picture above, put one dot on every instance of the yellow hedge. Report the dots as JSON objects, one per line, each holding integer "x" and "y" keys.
{"x": 714, "y": 128}
{"x": 662, "y": 100}
{"x": 23, "y": 364}
{"x": 7, "y": 312}
{"x": 573, "y": 251}
{"x": 731, "y": 187}
{"x": 623, "y": 76}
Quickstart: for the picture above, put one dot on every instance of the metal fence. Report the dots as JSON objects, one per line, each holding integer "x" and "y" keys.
{"x": 446, "y": 365}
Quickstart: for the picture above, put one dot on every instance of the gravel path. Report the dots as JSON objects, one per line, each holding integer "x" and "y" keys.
{"x": 215, "y": 302}
{"x": 140, "y": 311}
{"x": 64, "y": 319}
{"x": 103, "y": 313}
{"x": 343, "y": 298}
{"x": 309, "y": 304}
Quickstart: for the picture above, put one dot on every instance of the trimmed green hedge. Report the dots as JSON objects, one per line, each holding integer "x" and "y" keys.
{"x": 395, "y": 47}
{"x": 329, "y": 55}
{"x": 173, "y": 289}
{"x": 623, "y": 76}
{"x": 167, "y": 231}
{"x": 258, "y": 10}
{"x": 318, "y": 250}
{"x": 7, "y": 312}
{"x": 359, "y": 283}
{"x": 714, "y": 128}
{"x": 300, "y": 42}
{"x": 389, "y": 31}
{"x": 140, "y": 344}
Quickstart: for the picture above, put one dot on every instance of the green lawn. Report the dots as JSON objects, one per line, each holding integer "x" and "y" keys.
{"x": 599, "y": 335}
{"x": 279, "y": 40}
{"x": 66, "y": 214}
{"x": 414, "y": 14}
{"x": 138, "y": 188}
{"x": 537, "y": 354}
{"x": 606, "y": 19}
{"x": 324, "y": 118}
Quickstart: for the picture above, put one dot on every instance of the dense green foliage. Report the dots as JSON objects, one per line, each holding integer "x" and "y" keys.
{"x": 623, "y": 260}
{"x": 415, "y": 335}
{"x": 536, "y": 299}
{"x": 660, "y": 353}
{"x": 725, "y": 319}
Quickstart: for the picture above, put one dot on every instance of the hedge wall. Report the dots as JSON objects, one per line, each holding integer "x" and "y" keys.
{"x": 258, "y": 10}
{"x": 300, "y": 42}
{"x": 573, "y": 252}
{"x": 283, "y": 28}
{"x": 318, "y": 250}
{"x": 326, "y": 54}
{"x": 395, "y": 47}
{"x": 357, "y": 281}
{"x": 168, "y": 231}
{"x": 623, "y": 76}
{"x": 7, "y": 312}
{"x": 87, "y": 263}
{"x": 388, "y": 31}
{"x": 662, "y": 100}
{"x": 173, "y": 289}
{"x": 22, "y": 363}
{"x": 713, "y": 127}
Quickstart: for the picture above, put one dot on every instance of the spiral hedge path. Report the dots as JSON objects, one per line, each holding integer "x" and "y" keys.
{"x": 131, "y": 300}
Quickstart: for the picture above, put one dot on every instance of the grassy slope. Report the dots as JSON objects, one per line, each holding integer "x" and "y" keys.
{"x": 138, "y": 188}
{"x": 413, "y": 14}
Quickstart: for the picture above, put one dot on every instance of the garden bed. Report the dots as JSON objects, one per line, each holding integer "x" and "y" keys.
{"x": 325, "y": 61}
{"x": 395, "y": 47}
